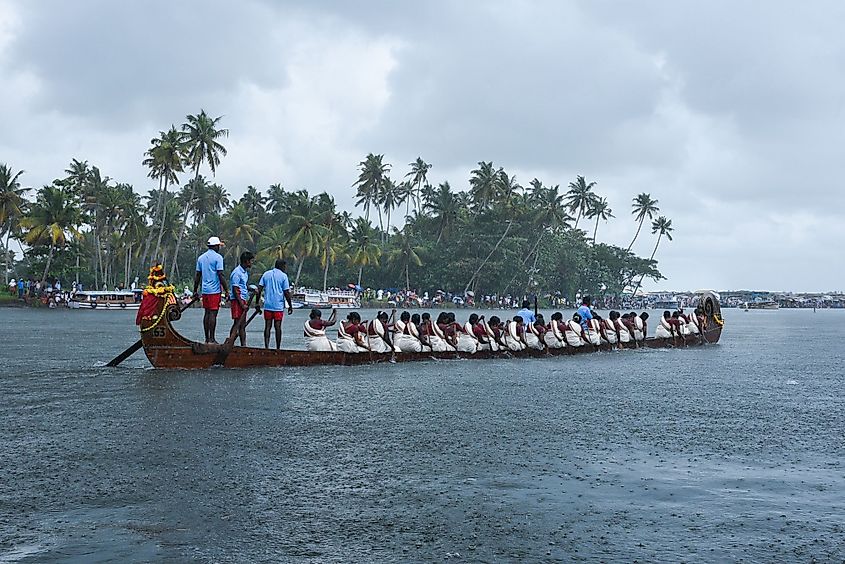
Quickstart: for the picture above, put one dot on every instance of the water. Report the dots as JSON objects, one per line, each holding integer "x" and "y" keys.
{"x": 726, "y": 453}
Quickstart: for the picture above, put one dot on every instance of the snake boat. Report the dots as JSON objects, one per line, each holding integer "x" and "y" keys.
{"x": 165, "y": 347}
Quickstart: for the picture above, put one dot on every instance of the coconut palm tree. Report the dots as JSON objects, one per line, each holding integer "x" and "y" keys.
{"x": 599, "y": 209}
{"x": 444, "y": 206}
{"x": 277, "y": 199}
{"x": 363, "y": 249}
{"x": 579, "y": 196}
{"x": 241, "y": 231}
{"x": 403, "y": 253}
{"x": 643, "y": 206}
{"x": 305, "y": 234}
{"x": 419, "y": 177}
{"x": 660, "y": 226}
{"x": 77, "y": 177}
{"x": 165, "y": 159}
{"x": 11, "y": 207}
{"x": 484, "y": 185}
{"x": 390, "y": 199}
{"x": 370, "y": 183}
{"x": 53, "y": 219}
{"x": 253, "y": 201}
{"x": 200, "y": 134}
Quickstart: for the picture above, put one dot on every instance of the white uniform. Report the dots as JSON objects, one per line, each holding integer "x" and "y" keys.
{"x": 316, "y": 339}
{"x": 466, "y": 340}
{"x": 532, "y": 337}
{"x": 593, "y": 333}
{"x": 664, "y": 330}
{"x": 610, "y": 331}
{"x": 438, "y": 340}
{"x": 639, "y": 328}
{"x": 492, "y": 345}
{"x": 346, "y": 343}
{"x": 622, "y": 331}
{"x": 692, "y": 325}
{"x": 403, "y": 339}
{"x": 512, "y": 337}
{"x": 573, "y": 334}
{"x": 554, "y": 336}
{"x": 377, "y": 342}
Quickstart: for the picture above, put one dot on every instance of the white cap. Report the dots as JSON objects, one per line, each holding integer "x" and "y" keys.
{"x": 214, "y": 241}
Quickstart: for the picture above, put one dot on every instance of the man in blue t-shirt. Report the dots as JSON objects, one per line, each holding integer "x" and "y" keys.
{"x": 210, "y": 273}
{"x": 528, "y": 317}
{"x": 276, "y": 288}
{"x": 585, "y": 313}
{"x": 239, "y": 281}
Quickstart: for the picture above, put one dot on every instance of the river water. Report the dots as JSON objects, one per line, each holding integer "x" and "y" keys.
{"x": 724, "y": 453}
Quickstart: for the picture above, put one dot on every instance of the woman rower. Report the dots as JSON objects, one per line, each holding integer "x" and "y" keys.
{"x": 665, "y": 329}
{"x": 378, "y": 334}
{"x": 315, "y": 331}
{"x": 436, "y": 335}
{"x": 515, "y": 334}
{"x": 350, "y": 335}
{"x": 593, "y": 332}
{"x": 493, "y": 331}
{"x": 574, "y": 333}
{"x": 465, "y": 336}
{"x": 609, "y": 331}
{"x": 403, "y": 338}
{"x": 533, "y": 334}
{"x": 553, "y": 336}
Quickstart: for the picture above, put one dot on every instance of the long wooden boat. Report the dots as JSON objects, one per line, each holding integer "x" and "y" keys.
{"x": 166, "y": 348}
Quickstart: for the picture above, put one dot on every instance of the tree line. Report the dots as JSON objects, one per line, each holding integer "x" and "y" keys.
{"x": 495, "y": 236}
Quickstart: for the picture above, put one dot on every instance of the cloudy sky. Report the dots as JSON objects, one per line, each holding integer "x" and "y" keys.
{"x": 732, "y": 114}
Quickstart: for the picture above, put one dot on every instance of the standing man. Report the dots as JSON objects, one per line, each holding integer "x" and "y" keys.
{"x": 585, "y": 313}
{"x": 276, "y": 288}
{"x": 210, "y": 273}
{"x": 239, "y": 280}
{"x": 528, "y": 317}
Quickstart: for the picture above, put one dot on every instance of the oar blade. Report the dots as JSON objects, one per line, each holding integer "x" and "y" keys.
{"x": 125, "y": 354}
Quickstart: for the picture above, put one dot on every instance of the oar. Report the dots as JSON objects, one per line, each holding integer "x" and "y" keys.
{"x": 229, "y": 343}
{"x": 131, "y": 350}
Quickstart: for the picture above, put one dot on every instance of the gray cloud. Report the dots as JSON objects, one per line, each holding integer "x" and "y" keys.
{"x": 730, "y": 113}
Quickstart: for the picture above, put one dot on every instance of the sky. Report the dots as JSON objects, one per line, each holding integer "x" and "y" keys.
{"x": 730, "y": 113}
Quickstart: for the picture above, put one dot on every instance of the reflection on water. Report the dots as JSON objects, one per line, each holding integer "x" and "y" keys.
{"x": 721, "y": 453}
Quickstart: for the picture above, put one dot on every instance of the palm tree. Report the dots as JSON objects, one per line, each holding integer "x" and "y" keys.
{"x": 306, "y": 233}
{"x": 165, "y": 158}
{"x": 200, "y": 136}
{"x": 11, "y": 207}
{"x": 277, "y": 199}
{"x": 445, "y": 208}
{"x": 390, "y": 199}
{"x": 77, "y": 176}
{"x": 404, "y": 254}
{"x": 240, "y": 227}
{"x": 370, "y": 183}
{"x": 52, "y": 220}
{"x": 661, "y": 226}
{"x": 253, "y": 201}
{"x": 579, "y": 196}
{"x": 484, "y": 185}
{"x": 364, "y": 251}
{"x": 508, "y": 189}
{"x": 643, "y": 206}
{"x": 599, "y": 209}
{"x": 419, "y": 177}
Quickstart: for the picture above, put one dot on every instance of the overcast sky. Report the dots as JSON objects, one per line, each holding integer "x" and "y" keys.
{"x": 731, "y": 114}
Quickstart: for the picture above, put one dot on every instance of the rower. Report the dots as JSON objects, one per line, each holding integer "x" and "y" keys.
{"x": 493, "y": 328}
{"x": 609, "y": 331}
{"x": 315, "y": 331}
{"x": 515, "y": 334}
{"x": 479, "y": 330}
{"x": 350, "y": 336}
{"x": 276, "y": 287}
{"x": 533, "y": 334}
{"x": 665, "y": 329}
{"x": 416, "y": 331}
{"x": 209, "y": 271}
{"x": 593, "y": 333}
{"x": 554, "y": 335}
{"x": 640, "y": 326}
{"x": 624, "y": 328}
{"x": 437, "y": 336}
{"x": 574, "y": 332}
{"x": 404, "y": 339}
{"x": 378, "y": 334}
{"x": 465, "y": 340}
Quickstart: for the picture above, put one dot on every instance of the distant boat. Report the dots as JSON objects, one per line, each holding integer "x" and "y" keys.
{"x": 762, "y": 304}
{"x": 104, "y": 300}
{"x": 307, "y": 298}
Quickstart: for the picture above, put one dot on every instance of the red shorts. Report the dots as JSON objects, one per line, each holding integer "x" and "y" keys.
{"x": 236, "y": 308}
{"x": 274, "y": 315}
{"x": 211, "y": 301}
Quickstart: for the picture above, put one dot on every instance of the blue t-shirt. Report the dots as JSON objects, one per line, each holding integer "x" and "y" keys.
{"x": 239, "y": 279}
{"x": 210, "y": 263}
{"x": 274, "y": 282}
{"x": 584, "y": 312}
{"x": 527, "y": 316}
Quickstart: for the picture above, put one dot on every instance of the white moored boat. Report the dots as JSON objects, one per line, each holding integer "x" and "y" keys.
{"x": 103, "y": 300}
{"x": 330, "y": 299}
